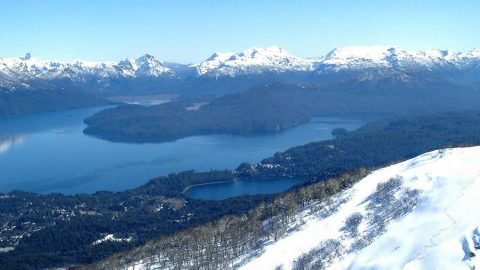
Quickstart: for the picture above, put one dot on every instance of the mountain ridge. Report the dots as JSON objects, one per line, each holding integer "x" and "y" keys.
{"x": 352, "y": 68}
{"x": 255, "y": 60}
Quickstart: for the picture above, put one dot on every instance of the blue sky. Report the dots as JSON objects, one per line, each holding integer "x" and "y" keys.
{"x": 189, "y": 31}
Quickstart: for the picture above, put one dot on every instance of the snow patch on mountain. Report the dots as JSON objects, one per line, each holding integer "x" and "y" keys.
{"x": 111, "y": 238}
{"x": 423, "y": 213}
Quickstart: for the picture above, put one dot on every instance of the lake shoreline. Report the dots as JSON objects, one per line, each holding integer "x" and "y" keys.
{"x": 209, "y": 183}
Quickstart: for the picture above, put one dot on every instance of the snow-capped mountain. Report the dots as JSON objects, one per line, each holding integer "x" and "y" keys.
{"x": 148, "y": 66}
{"x": 246, "y": 69}
{"x": 348, "y": 64}
{"x": 423, "y": 213}
{"x": 252, "y": 61}
{"x": 275, "y": 59}
{"x": 356, "y": 57}
{"x": 28, "y": 68}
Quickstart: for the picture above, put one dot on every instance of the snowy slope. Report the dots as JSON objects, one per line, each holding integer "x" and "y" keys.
{"x": 425, "y": 215}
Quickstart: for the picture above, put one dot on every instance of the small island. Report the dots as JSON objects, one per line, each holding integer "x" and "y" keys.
{"x": 246, "y": 113}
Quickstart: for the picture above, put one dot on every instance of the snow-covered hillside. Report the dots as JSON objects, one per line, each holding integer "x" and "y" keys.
{"x": 423, "y": 213}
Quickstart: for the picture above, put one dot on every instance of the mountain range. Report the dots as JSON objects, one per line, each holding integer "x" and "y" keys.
{"x": 29, "y": 85}
{"x": 253, "y": 61}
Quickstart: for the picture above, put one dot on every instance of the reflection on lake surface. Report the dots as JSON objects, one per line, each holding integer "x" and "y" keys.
{"x": 53, "y": 154}
{"x": 8, "y": 142}
{"x": 144, "y": 100}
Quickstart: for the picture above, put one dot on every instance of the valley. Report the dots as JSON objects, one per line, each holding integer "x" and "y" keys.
{"x": 240, "y": 146}
{"x": 160, "y": 207}
{"x": 239, "y": 135}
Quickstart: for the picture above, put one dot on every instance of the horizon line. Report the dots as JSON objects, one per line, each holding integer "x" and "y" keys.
{"x": 472, "y": 49}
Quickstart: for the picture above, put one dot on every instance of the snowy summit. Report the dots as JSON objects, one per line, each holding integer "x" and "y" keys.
{"x": 423, "y": 213}
{"x": 251, "y": 61}
{"x": 394, "y": 57}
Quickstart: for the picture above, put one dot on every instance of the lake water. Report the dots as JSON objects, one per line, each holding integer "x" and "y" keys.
{"x": 49, "y": 153}
{"x": 220, "y": 191}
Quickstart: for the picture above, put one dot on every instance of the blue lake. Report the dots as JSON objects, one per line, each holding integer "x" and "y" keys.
{"x": 220, "y": 191}
{"x": 49, "y": 153}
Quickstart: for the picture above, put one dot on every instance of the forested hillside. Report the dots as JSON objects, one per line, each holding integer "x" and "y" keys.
{"x": 22, "y": 102}
{"x": 276, "y": 106}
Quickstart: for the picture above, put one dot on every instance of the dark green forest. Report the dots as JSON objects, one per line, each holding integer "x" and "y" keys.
{"x": 274, "y": 107}
{"x": 22, "y": 102}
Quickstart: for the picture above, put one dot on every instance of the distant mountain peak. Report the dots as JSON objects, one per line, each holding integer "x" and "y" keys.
{"x": 220, "y": 56}
{"x": 146, "y": 57}
{"x": 360, "y": 57}
{"x": 253, "y": 60}
{"x": 272, "y": 50}
{"x": 148, "y": 65}
{"x": 27, "y": 56}
{"x": 27, "y": 68}
{"x": 126, "y": 62}
{"x": 127, "y": 67}
{"x": 258, "y": 60}
{"x": 361, "y": 54}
